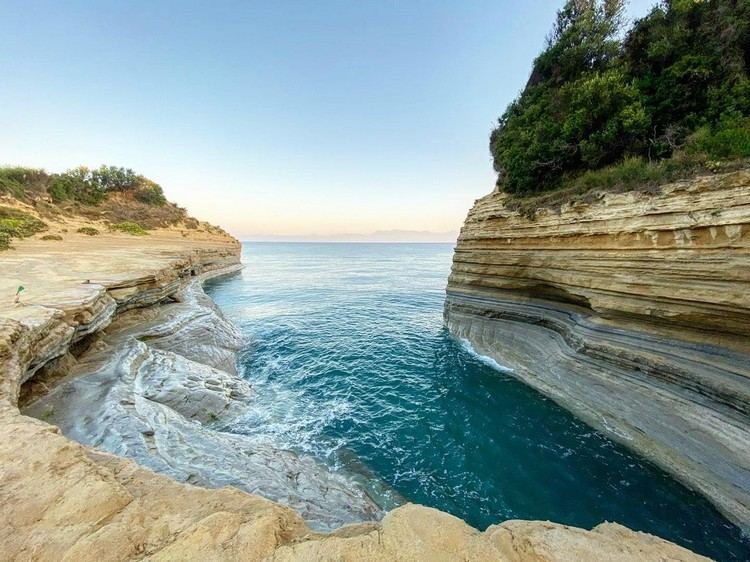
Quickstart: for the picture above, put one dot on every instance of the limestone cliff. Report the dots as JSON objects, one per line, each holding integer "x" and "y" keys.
{"x": 630, "y": 309}
{"x": 115, "y": 307}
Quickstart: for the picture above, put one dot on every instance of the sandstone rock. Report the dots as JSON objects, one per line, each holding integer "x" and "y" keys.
{"x": 65, "y": 501}
{"x": 633, "y": 311}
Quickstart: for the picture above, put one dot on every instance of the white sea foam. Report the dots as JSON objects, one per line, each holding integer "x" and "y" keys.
{"x": 489, "y": 361}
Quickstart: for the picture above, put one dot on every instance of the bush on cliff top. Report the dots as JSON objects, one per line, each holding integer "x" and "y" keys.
{"x": 77, "y": 185}
{"x": 151, "y": 194}
{"x": 80, "y": 184}
{"x": 676, "y": 84}
{"x": 17, "y": 181}
{"x": 91, "y": 187}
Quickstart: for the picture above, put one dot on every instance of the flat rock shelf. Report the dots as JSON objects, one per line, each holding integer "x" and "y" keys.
{"x": 118, "y": 344}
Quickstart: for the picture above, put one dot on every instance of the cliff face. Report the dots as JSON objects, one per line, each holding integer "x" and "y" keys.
{"x": 633, "y": 311}
{"x": 99, "y": 317}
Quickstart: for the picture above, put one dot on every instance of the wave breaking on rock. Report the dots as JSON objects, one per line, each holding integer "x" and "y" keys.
{"x": 161, "y": 387}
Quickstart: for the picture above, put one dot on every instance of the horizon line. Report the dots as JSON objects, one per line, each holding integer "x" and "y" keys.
{"x": 341, "y": 242}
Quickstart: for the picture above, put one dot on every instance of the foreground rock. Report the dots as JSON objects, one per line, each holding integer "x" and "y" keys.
{"x": 123, "y": 312}
{"x": 62, "y": 501}
{"x": 160, "y": 387}
{"x": 633, "y": 311}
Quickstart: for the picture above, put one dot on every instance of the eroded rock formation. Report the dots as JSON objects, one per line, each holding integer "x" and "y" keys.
{"x": 142, "y": 317}
{"x": 633, "y": 311}
{"x": 160, "y": 385}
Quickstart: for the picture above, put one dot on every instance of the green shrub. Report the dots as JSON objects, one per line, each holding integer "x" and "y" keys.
{"x": 52, "y": 237}
{"x": 632, "y": 173}
{"x": 130, "y": 228}
{"x": 151, "y": 194}
{"x": 17, "y": 224}
{"x": 16, "y": 180}
{"x": 112, "y": 178}
{"x": 589, "y": 123}
{"x": 676, "y": 85}
{"x": 88, "y": 230}
{"x": 91, "y": 187}
{"x": 577, "y": 108}
{"x": 727, "y": 140}
{"x": 81, "y": 184}
{"x": 77, "y": 184}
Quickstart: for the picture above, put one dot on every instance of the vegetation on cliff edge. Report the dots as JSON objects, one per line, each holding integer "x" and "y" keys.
{"x": 17, "y": 224}
{"x": 80, "y": 184}
{"x": 107, "y": 194}
{"x": 670, "y": 96}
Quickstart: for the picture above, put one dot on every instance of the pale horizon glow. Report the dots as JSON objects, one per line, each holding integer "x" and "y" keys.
{"x": 331, "y": 120}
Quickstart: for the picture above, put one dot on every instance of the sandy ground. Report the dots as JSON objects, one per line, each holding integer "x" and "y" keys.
{"x": 48, "y": 268}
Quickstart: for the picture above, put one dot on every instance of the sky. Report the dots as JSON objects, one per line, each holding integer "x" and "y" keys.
{"x": 294, "y": 120}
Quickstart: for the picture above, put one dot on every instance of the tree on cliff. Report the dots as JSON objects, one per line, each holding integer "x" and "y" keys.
{"x": 690, "y": 63}
{"x": 594, "y": 98}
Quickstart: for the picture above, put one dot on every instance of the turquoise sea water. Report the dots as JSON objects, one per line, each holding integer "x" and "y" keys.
{"x": 350, "y": 363}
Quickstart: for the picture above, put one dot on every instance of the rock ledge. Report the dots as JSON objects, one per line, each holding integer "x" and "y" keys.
{"x": 65, "y": 501}
{"x": 632, "y": 311}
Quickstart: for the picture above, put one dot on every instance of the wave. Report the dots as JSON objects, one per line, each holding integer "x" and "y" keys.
{"x": 164, "y": 392}
{"x": 489, "y": 361}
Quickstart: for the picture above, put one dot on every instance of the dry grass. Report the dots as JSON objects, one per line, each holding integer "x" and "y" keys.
{"x": 636, "y": 175}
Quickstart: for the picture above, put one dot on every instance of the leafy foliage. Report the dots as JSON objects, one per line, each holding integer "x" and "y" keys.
{"x": 82, "y": 185}
{"x": 17, "y": 224}
{"x": 112, "y": 178}
{"x": 88, "y": 231}
{"x": 583, "y": 40}
{"x": 16, "y": 181}
{"x": 730, "y": 138}
{"x": 690, "y": 62}
{"x": 150, "y": 194}
{"x": 595, "y": 99}
{"x": 91, "y": 187}
{"x": 129, "y": 227}
{"x": 77, "y": 184}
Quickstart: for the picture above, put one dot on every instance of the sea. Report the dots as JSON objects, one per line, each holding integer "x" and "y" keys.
{"x": 350, "y": 363}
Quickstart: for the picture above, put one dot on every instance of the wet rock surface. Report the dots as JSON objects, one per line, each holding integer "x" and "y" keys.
{"x": 632, "y": 311}
{"x": 63, "y": 500}
{"x": 163, "y": 390}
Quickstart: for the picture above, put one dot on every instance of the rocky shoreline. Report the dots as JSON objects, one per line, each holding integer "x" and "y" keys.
{"x": 66, "y": 501}
{"x": 632, "y": 311}
{"x": 159, "y": 388}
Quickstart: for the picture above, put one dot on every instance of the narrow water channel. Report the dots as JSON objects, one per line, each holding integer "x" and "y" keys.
{"x": 350, "y": 364}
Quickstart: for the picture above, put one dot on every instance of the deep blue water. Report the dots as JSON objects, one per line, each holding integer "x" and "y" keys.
{"x": 351, "y": 363}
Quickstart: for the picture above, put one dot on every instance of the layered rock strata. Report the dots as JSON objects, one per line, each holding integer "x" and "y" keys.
{"x": 160, "y": 387}
{"x": 63, "y": 500}
{"x": 633, "y": 311}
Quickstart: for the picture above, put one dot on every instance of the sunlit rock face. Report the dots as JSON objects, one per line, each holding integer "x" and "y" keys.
{"x": 633, "y": 311}
{"x": 161, "y": 387}
{"x": 128, "y": 387}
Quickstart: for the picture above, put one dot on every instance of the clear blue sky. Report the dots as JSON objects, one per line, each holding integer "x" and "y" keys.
{"x": 276, "y": 117}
